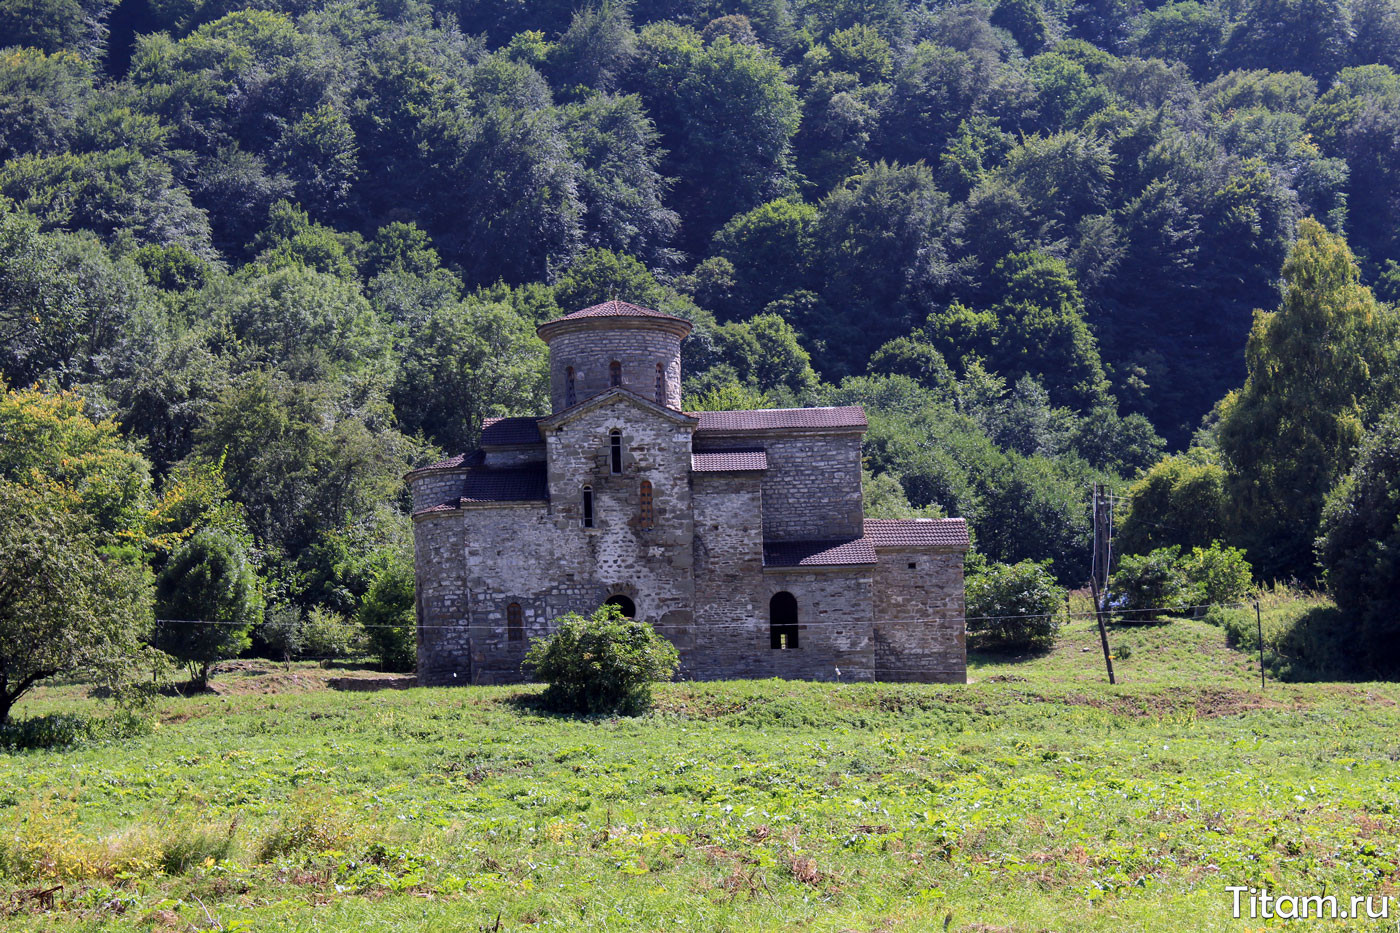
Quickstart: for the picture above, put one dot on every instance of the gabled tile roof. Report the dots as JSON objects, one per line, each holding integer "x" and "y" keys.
{"x": 916, "y": 532}
{"x": 510, "y": 432}
{"x": 818, "y": 553}
{"x": 512, "y": 484}
{"x": 459, "y": 462}
{"x": 724, "y": 461}
{"x": 846, "y": 416}
{"x": 617, "y": 308}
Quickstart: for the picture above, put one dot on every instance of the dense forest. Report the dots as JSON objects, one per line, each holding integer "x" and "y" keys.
{"x": 281, "y": 251}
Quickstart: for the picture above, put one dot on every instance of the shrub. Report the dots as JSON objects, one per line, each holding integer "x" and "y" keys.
{"x": 1149, "y": 585}
{"x": 1012, "y": 607}
{"x": 1219, "y": 574}
{"x": 282, "y": 632}
{"x": 329, "y": 635}
{"x": 61, "y": 730}
{"x": 605, "y": 663}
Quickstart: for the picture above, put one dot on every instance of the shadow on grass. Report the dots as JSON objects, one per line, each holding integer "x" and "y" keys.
{"x": 985, "y": 652}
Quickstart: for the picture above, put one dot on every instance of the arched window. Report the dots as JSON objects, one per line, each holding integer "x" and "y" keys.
{"x": 629, "y": 608}
{"x": 647, "y": 514}
{"x": 570, "y": 395}
{"x": 515, "y": 623}
{"x": 588, "y": 506}
{"x": 614, "y": 373}
{"x": 782, "y": 620}
{"x": 660, "y": 384}
{"x": 615, "y": 450}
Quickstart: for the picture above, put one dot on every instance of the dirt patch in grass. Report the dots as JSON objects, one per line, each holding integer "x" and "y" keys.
{"x": 1207, "y": 703}
{"x": 239, "y": 678}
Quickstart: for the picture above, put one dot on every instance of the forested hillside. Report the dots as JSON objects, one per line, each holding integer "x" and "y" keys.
{"x": 294, "y": 247}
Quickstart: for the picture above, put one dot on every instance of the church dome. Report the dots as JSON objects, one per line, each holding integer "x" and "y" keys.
{"x": 615, "y": 344}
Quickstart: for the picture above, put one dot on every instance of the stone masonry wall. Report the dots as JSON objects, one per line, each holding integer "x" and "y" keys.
{"x": 441, "y": 604}
{"x": 591, "y": 351}
{"x": 430, "y": 489}
{"x": 545, "y": 560}
{"x": 811, "y": 489}
{"x": 834, "y": 630}
{"x": 728, "y": 573}
{"x": 920, "y": 630}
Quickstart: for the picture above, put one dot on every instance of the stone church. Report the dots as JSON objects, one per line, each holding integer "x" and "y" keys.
{"x": 739, "y": 534}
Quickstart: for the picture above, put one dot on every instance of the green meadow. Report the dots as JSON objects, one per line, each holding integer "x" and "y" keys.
{"x": 1035, "y": 798}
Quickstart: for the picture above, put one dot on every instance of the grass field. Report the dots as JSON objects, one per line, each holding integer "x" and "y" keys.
{"x": 1035, "y": 798}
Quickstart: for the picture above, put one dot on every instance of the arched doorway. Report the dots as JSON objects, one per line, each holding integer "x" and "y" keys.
{"x": 629, "y": 608}
{"x": 782, "y": 620}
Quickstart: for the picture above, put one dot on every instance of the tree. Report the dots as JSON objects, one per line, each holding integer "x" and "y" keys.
{"x": 51, "y": 443}
{"x": 78, "y": 26}
{"x": 1036, "y": 329}
{"x": 620, "y": 185}
{"x": 467, "y": 362}
{"x": 1187, "y": 32}
{"x": 604, "y": 663}
{"x": 67, "y": 607}
{"x": 387, "y": 615}
{"x": 770, "y": 250}
{"x": 1310, "y": 36}
{"x": 209, "y": 599}
{"x": 882, "y": 243}
{"x": 1321, "y": 369}
{"x": 726, "y": 114}
{"x": 1024, "y": 20}
{"x": 1359, "y": 546}
{"x": 90, "y": 302}
{"x": 1181, "y": 500}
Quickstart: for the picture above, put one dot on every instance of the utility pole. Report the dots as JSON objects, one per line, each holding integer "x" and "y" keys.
{"x": 1098, "y": 581}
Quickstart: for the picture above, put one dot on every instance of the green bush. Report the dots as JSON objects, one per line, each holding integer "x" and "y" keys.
{"x": 1012, "y": 607}
{"x": 64, "y": 730}
{"x": 605, "y": 663}
{"x": 1218, "y": 574}
{"x": 1164, "y": 581}
{"x": 328, "y": 635}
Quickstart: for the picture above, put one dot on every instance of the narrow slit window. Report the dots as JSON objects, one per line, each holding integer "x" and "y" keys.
{"x": 615, "y": 450}
{"x": 648, "y": 516}
{"x": 570, "y": 394}
{"x": 588, "y": 506}
{"x": 615, "y": 373}
{"x": 515, "y": 623}
{"x": 660, "y": 384}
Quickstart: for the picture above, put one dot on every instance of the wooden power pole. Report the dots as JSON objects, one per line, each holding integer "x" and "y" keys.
{"x": 1098, "y": 581}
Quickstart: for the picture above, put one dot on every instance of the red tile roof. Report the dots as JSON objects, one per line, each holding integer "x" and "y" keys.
{"x": 617, "y": 308}
{"x": 916, "y": 532}
{"x": 510, "y": 432}
{"x": 818, "y": 553}
{"x": 460, "y": 462}
{"x": 514, "y": 484}
{"x": 846, "y": 416}
{"x": 723, "y": 461}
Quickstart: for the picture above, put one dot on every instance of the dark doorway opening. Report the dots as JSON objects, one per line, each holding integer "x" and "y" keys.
{"x": 629, "y": 608}
{"x": 782, "y": 620}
